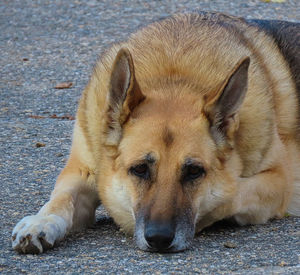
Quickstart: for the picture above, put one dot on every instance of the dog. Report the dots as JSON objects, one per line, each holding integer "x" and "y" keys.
{"x": 192, "y": 120}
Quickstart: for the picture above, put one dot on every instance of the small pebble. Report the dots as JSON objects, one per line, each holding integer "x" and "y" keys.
{"x": 230, "y": 245}
{"x": 40, "y": 144}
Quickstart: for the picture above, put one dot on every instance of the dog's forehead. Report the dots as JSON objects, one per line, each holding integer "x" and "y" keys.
{"x": 170, "y": 138}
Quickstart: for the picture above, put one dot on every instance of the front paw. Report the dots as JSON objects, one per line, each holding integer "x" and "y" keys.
{"x": 34, "y": 234}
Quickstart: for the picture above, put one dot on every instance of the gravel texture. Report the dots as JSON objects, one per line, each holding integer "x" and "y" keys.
{"x": 44, "y": 43}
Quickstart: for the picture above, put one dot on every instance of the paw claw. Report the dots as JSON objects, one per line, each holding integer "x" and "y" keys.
{"x": 42, "y": 234}
{"x": 22, "y": 239}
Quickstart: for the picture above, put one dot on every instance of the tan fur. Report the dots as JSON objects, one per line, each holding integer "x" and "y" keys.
{"x": 181, "y": 65}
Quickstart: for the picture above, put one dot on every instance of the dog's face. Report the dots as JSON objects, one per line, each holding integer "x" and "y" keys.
{"x": 171, "y": 162}
{"x": 172, "y": 157}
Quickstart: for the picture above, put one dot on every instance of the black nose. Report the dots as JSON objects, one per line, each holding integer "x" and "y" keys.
{"x": 159, "y": 235}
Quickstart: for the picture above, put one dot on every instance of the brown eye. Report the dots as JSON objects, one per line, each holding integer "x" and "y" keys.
{"x": 192, "y": 172}
{"x": 141, "y": 171}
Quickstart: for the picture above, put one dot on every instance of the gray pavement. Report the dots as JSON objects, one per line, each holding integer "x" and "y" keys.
{"x": 43, "y": 43}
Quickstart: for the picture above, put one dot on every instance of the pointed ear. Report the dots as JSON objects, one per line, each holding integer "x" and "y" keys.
{"x": 124, "y": 95}
{"x": 223, "y": 108}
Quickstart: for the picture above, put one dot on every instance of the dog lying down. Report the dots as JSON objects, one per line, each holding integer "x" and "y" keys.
{"x": 192, "y": 120}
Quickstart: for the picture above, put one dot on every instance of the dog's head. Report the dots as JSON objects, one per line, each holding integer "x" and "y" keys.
{"x": 173, "y": 149}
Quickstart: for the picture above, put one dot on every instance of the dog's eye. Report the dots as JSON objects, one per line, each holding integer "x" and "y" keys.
{"x": 192, "y": 172}
{"x": 141, "y": 171}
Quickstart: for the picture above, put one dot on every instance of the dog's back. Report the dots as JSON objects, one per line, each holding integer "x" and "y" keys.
{"x": 287, "y": 36}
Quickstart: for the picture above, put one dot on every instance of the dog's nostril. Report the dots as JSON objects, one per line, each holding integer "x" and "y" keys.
{"x": 159, "y": 237}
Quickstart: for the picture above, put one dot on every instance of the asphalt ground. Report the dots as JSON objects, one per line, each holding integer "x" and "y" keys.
{"x": 43, "y": 43}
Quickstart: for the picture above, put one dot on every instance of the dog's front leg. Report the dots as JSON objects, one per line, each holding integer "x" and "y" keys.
{"x": 71, "y": 206}
{"x": 263, "y": 196}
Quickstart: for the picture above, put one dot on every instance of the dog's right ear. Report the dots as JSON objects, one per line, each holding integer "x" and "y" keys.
{"x": 124, "y": 95}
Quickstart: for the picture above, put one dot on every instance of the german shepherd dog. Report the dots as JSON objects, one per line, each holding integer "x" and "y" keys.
{"x": 192, "y": 120}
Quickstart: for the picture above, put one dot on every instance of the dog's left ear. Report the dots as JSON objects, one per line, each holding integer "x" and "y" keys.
{"x": 222, "y": 109}
{"x": 124, "y": 95}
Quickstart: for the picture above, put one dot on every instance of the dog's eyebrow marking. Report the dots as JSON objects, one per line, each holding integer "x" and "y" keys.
{"x": 189, "y": 161}
{"x": 150, "y": 158}
{"x": 168, "y": 137}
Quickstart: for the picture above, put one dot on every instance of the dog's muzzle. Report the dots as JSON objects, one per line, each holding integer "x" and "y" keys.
{"x": 163, "y": 236}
